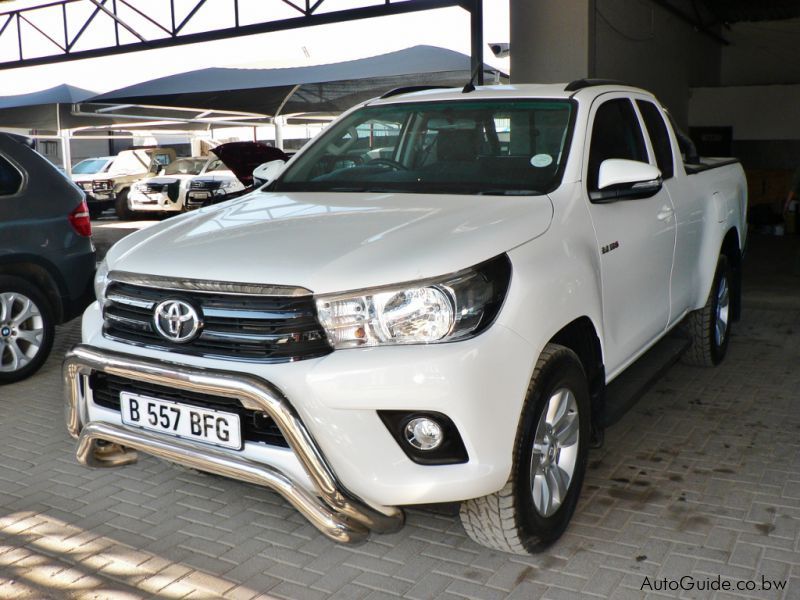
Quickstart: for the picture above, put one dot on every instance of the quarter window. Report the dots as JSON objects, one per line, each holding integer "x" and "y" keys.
{"x": 10, "y": 179}
{"x": 615, "y": 134}
{"x": 657, "y": 130}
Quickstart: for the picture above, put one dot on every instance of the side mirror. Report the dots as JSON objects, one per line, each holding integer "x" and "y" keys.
{"x": 621, "y": 179}
{"x": 267, "y": 172}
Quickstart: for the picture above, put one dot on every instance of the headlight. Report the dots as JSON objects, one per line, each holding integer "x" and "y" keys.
{"x": 101, "y": 282}
{"x": 139, "y": 187}
{"x": 442, "y": 309}
{"x": 226, "y": 185}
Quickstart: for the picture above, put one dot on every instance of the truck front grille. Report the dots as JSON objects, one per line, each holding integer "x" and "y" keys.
{"x": 257, "y": 426}
{"x": 256, "y": 328}
{"x": 205, "y": 184}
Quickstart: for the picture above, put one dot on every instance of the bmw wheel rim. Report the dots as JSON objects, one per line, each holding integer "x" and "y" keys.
{"x": 21, "y": 331}
{"x": 555, "y": 452}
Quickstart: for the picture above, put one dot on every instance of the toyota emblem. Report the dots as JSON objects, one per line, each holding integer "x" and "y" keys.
{"x": 177, "y": 321}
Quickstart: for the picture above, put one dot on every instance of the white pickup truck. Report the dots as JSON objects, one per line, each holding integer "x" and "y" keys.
{"x": 427, "y": 304}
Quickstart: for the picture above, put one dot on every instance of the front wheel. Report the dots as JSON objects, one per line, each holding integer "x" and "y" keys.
{"x": 121, "y": 206}
{"x": 535, "y": 506}
{"x": 26, "y": 329}
{"x": 709, "y": 328}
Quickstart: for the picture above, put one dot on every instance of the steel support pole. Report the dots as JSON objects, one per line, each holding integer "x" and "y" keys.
{"x": 278, "y": 123}
{"x": 476, "y": 38}
{"x": 66, "y": 150}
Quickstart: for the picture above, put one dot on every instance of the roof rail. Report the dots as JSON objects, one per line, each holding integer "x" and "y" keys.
{"x": 412, "y": 88}
{"x": 579, "y": 84}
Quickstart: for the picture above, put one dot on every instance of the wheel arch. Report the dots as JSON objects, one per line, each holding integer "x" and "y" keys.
{"x": 580, "y": 336}
{"x": 39, "y": 274}
{"x": 730, "y": 248}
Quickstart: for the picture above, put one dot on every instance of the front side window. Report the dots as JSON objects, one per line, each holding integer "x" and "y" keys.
{"x": 10, "y": 178}
{"x": 659, "y": 137}
{"x": 615, "y": 134}
{"x": 461, "y": 147}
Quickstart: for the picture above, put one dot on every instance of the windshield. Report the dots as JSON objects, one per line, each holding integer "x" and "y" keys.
{"x": 463, "y": 147}
{"x": 90, "y": 166}
{"x": 216, "y": 165}
{"x": 185, "y": 166}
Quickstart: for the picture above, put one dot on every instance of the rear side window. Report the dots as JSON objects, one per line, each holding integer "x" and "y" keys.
{"x": 10, "y": 178}
{"x": 657, "y": 130}
{"x": 615, "y": 134}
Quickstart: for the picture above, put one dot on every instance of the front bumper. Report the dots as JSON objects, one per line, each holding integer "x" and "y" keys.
{"x": 158, "y": 202}
{"x": 331, "y": 508}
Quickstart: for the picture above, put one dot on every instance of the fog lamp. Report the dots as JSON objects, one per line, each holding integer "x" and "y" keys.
{"x": 423, "y": 433}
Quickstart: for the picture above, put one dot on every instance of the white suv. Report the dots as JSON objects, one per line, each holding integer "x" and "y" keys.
{"x": 166, "y": 192}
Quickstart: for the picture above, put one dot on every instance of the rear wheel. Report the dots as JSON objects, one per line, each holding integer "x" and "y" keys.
{"x": 27, "y": 329}
{"x": 121, "y": 207}
{"x": 535, "y": 506}
{"x": 709, "y": 327}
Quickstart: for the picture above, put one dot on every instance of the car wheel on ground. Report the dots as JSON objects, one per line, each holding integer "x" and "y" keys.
{"x": 26, "y": 329}
{"x": 709, "y": 327}
{"x": 121, "y": 206}
{"x": 534, "y": 507}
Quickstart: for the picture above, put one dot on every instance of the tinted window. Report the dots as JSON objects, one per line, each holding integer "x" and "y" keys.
{"x": 10, "y": 179}
{"x": 657, "y": 130}
{"x": 615, "y": 134}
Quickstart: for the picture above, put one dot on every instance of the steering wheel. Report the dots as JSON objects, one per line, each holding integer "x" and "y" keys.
{"x": 393, "y": 164}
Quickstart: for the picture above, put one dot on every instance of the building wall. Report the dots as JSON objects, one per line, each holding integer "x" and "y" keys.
{"x": 762, "y": 53}
{"x": 639, "y": 42}
{"x": 635, "y": 41}
{"x": 550, "y": 40}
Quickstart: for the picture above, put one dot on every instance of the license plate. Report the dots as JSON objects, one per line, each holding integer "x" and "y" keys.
{"x": 201, "y": 195}
{"x": 182, "y": 420}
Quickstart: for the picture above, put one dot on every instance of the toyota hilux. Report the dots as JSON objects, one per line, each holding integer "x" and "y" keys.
{"x": 429, "y": 303}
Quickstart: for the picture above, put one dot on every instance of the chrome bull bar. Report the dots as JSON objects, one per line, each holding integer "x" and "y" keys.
{"x": 333, "y": 510}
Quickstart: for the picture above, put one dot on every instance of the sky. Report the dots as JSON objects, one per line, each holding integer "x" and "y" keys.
{"x": 448, "y": 28}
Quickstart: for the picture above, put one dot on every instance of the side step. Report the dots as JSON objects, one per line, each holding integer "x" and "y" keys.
{"x": 631, "y": 384}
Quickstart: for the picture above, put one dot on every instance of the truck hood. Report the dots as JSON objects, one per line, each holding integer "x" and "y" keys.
{"x": 243, "y": 157}
{"x": 333, "y": 242}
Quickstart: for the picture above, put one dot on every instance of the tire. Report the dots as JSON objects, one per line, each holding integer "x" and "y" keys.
{"x": 25, "y": 341}
{"x": 518, "y": 519}
{"x": 121, "y": 206}
{"x": 709, "y": 327}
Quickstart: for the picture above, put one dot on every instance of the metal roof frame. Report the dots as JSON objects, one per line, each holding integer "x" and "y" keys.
{"x": 116, "y": 15}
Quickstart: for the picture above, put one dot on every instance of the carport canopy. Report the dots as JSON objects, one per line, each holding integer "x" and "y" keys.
{"x": 42, "y": 109}
{"x": 330, "y": 88}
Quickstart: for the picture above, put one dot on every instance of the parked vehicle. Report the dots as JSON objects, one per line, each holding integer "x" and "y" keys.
{"x": 46, "y": 256}
{"x": 110, "y": 187}
{"x": 166, "y": 193}
{"x": 85, "y": 172}
{"x": 242, "y": 158}
{"x": 441, "y": 320}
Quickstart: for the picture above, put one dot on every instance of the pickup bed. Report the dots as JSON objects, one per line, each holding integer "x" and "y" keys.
{"x": 426, "y": 304}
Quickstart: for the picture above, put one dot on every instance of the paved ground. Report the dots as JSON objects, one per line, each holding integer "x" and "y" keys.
{"x": 701, "y": 479}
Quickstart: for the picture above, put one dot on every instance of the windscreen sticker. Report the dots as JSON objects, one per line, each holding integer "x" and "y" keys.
{"x": 541, "y": 160}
